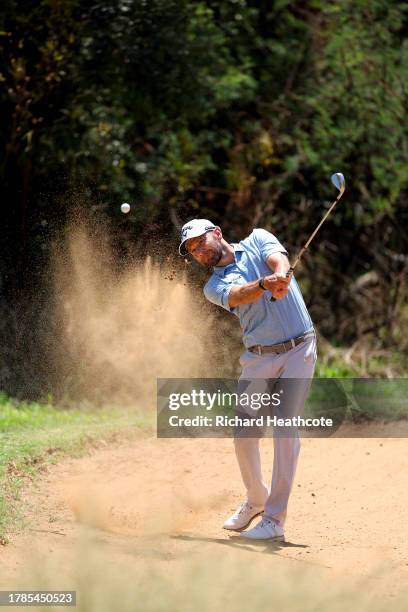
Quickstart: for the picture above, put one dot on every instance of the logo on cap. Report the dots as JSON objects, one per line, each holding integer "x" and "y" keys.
{"x": 186, "y": 229}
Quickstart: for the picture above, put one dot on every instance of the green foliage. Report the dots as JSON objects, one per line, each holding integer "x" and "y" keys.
{"x": 104, "y": 90}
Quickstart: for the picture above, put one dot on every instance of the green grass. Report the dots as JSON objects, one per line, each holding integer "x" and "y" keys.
{"x": 331, "y": 363}
{"x": 33, "y": 435}
{"x": 335, "y": 370}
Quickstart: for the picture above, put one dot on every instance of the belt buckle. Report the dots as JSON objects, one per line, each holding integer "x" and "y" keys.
{"x": 293, "y": 343}
{"x": 259, "y": 349}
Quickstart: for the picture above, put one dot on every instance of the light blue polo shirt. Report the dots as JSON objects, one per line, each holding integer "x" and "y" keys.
{"x": 263, "y": 322}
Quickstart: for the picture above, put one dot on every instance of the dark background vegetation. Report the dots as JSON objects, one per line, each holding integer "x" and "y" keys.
{"x": 237, "y": 110}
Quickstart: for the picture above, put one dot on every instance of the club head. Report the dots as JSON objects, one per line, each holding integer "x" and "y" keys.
{"x": 338, "y": 181}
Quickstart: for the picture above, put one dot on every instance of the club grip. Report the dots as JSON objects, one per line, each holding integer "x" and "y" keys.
{"x": 288, "y": 273}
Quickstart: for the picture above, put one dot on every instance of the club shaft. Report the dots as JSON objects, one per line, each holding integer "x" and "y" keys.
{"x": 303, "y": 249}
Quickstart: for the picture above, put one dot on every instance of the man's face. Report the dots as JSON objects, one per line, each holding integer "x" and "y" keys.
{"x": 207, "y": 248}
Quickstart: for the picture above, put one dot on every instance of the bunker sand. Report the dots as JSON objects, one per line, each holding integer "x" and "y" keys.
{"x": 157, "y": 506}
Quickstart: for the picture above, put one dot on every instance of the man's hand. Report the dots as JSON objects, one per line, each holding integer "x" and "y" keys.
{"x": 278, "y": 281}
{"x": 277, "y": 284}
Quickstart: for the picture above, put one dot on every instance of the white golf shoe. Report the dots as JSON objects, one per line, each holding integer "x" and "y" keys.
{"x": 266, "y": 529}
{"x": 243, "y": 516}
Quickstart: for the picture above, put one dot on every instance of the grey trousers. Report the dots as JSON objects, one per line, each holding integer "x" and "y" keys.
{"x": 297, "y": 363}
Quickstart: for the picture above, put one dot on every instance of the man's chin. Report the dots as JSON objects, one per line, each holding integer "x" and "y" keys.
{"x": 212, "y": 261}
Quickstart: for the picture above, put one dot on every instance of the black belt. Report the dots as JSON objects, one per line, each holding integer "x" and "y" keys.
{"x": 281, "y": 347}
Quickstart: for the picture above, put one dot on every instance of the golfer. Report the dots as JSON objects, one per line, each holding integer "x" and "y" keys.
{"x": 279, "y": 343}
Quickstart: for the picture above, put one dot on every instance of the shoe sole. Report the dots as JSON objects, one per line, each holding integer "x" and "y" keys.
{"x": 274, "y": 539}
{"x": 245, "y": 526}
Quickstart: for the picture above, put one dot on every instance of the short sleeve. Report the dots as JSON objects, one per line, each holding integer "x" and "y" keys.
{"x": 217, "y": 291}
{"x": 267, "y": 243}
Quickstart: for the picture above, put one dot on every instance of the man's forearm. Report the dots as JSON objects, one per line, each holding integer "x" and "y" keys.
{"x": 279, "y": 264}
{"x": 251, "y": 292}
{"x": 245, "y": 294}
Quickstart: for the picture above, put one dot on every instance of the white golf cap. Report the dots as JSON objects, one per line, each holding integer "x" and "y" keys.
{"x": 194, "y": 228}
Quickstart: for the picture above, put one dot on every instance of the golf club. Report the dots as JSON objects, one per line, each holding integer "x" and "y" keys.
{"x": 339, "y": 182}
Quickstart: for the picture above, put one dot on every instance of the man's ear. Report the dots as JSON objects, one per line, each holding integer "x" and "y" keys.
{"x": 217, "y": 231}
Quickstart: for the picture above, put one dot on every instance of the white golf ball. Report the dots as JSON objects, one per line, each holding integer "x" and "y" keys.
{"x": 125, "y": 208}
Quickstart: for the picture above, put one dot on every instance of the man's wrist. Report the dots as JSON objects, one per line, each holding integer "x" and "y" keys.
{"x": 261, "y": 283}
